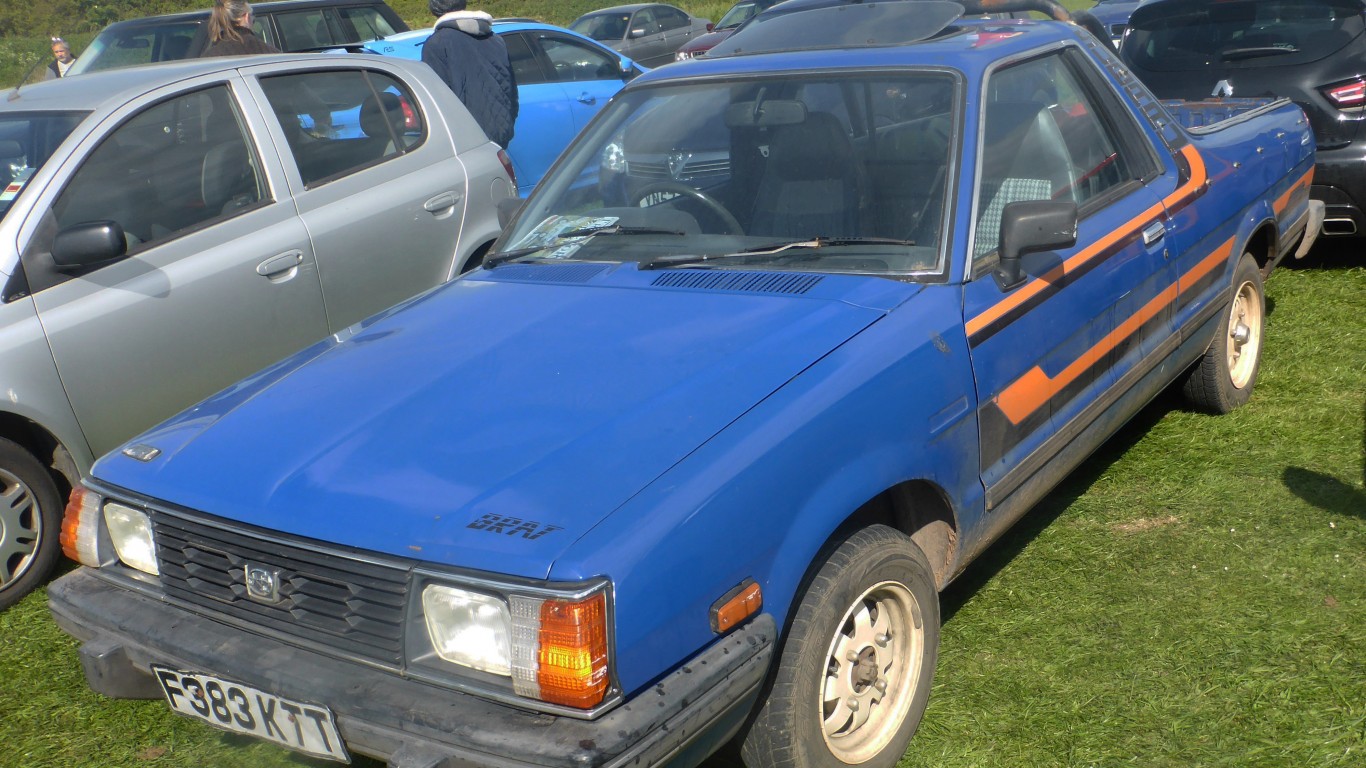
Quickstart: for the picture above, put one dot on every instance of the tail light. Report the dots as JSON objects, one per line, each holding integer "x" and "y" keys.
{"x": 506, "y": 160}
{"x": 409, "y": 116}
{"x": 1347, "y": 97}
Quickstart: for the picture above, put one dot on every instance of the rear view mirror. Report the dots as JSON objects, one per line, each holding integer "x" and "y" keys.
{"x": 1029, "y": 226}
{"x": 89, "y": 244}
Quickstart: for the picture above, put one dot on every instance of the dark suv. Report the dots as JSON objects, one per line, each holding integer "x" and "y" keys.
{"x": 290, "y": 25}
{"x": 1310, "y": 51}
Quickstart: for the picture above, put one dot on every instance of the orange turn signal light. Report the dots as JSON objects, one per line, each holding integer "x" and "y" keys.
{"x": 573, "y": 652}
{"x": 80, "y": 527}
{"x": 736, "y": 605}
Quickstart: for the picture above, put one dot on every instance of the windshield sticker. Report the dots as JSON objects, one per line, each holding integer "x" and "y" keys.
{"x": 552, "y": 228}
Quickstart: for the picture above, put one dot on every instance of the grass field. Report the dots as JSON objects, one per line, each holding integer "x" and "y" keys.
{"x": 1192, "y": 596}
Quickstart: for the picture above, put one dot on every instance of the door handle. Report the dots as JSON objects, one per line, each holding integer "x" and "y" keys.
{"x": 282, "y": 263}
{"x": 588, "y": 98}
{"x": 1154, "y": 232}
{"x": 442, "y": 202}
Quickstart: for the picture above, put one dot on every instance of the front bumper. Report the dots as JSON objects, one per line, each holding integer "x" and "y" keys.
{"x": 412, "y": 724}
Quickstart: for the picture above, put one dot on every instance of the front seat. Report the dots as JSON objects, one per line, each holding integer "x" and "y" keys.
{"x": 812, "y": 184}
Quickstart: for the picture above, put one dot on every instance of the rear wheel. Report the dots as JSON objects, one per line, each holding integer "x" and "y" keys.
{"x": 1224, "y": 377}
{"x": 30, "y": 522}
{"x": 854, "y": 676}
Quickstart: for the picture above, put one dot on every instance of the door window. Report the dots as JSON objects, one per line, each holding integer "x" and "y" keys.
{"x": 177, "y": 166}
{"x": 526, "y": 68}
{"x": 1043, "y": 138}
{"x": 574, "y": 61}
{"x": 670, "y": 18}
{"x": 645, "y": 21}
{"x": 337, "y": 122}
{"x": 302, "y": 30}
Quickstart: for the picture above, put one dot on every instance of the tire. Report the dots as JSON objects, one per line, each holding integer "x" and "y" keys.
{"x": 876, "y": 584}
{"x": 30, "y": 523}
{"x": 1223, "y": 379}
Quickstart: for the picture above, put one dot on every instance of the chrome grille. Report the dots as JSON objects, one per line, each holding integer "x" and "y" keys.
{"x": 688, "y": 169}
{"x": 351, "y": 606}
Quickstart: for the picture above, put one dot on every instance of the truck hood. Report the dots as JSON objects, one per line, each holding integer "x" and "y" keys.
{"x": 491, "y": 422}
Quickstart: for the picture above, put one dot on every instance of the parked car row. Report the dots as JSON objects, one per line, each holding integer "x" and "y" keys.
{"x": 785, "y": 338}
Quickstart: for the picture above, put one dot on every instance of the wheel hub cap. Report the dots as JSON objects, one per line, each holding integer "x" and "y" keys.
{"x": 18, "y": 527}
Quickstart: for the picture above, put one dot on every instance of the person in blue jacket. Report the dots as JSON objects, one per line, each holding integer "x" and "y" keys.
{"x": 474, "y": 63}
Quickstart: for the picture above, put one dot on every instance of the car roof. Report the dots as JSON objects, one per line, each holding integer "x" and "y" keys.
{"x": 258, "y": 8}
{"x": 969, "y": 45}
{"x": 92, "y": 90}
{"x": 632, "y": 8}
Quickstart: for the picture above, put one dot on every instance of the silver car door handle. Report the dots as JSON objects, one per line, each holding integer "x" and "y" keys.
{"x": 442, "y": 202}
{"x": 1154, "y": 232}
{"x": 588, "y": 98}
{"x": 277, "y": 264}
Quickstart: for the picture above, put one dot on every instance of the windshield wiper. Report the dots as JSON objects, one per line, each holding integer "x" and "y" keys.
{"x": 503, "y": 257}
{"x": 771, "y": 253}
{"x": 1235, "y": 54}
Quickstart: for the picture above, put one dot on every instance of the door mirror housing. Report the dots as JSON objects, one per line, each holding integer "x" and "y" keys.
{"x": 89, "y": 244}
{"x": 636, "y": 33}
{"x": 1030, "y": 226}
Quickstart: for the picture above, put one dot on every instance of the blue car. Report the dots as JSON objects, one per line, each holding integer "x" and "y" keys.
{"x": 563, "y": 79}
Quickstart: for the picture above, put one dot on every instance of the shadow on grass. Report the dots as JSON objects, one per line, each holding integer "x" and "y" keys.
{"x": 1027, "y": 528}
{"x": 1325, "y": 492}
{"x": 1328, "y": 254}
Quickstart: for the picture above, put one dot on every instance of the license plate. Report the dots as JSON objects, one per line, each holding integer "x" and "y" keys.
{"x": 242, "y": 709}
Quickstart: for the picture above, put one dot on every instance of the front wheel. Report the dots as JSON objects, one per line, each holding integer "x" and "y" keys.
{"x": 30, "y": 522}
{"x": 1224, "y": 377}
{"x": 854, "y": 676}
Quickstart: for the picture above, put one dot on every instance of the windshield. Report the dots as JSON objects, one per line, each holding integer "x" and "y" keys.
{"x": 124, "y": 46}
{"x": 27, "y": 140}
{"x": 803, "y": 172}
{"x": 606, "y": 27}
{"x": 1222, "y": 34}
{"x": 737, "y": 15}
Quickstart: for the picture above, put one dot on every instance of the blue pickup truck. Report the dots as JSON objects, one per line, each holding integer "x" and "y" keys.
{"x": 690, "y": 458}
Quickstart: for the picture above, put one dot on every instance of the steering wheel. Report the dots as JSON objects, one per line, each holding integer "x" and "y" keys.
{"x": 727, "y": 220}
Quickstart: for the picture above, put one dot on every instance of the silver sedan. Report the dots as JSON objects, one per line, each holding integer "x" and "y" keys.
{"x": 166, "y": 230}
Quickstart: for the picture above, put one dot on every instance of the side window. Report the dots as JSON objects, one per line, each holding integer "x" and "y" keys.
{"x": 265, "y": 31}
{"x": 338, "y": 122}
{"x": 363, "y": 22}
{"x": 526, "y": 68}
{"x": 645, "y": 20}
{"x": 1043, "y": 138}
{"x": 574, "y": 61}
{"x": 671, "y": 19}
{"x": 176, "y": 166}
{"x": 301, "y": 30}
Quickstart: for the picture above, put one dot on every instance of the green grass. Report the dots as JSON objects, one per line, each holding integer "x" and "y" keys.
{"x": 1192, "y": 596}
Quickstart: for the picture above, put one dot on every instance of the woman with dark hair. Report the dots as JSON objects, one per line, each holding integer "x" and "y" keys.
{"x": 230, "y": 32}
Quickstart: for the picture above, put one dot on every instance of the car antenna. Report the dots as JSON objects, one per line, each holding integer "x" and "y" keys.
{"x": 14, "y": 94}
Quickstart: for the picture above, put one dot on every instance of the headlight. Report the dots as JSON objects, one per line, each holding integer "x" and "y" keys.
{"x": 548, "y": 644}
{"x": 131, "y": 531}
{"x": 468, "y": 628}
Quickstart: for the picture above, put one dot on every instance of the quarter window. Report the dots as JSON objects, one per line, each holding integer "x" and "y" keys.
{"x": 338, "y": 122}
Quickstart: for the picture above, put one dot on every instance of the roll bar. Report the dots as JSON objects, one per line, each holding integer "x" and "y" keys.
{"x": 1050, "y": 8}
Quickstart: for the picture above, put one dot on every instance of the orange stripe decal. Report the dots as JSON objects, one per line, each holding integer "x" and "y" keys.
{"x": 1284, "y": 200}
{"x": 1030, "y": 392}
{"x": 1035, "y": 286}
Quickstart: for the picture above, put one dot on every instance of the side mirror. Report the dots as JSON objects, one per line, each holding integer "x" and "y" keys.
{"x": 628, "y": 69}
{"x": 508, "y": 208}
{"x": 89, "y": 244}
{"x": 635, "y": 33}
{"x": 1030, "y": 226}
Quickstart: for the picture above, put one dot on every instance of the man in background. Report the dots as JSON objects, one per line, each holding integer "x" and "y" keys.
{"x": 62, "y": 60}
{"x": 474, "y": 63}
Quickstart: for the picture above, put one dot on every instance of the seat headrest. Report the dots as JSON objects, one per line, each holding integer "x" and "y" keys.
{"x": 379, "y": 116}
